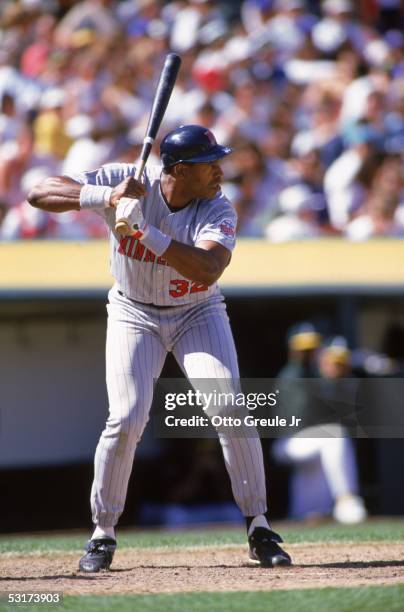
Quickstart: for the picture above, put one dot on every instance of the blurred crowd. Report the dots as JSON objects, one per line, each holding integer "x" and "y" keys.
{"x": 310, "y": 94}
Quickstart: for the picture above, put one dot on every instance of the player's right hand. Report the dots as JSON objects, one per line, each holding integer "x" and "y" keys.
{"x": 129, "y": 188}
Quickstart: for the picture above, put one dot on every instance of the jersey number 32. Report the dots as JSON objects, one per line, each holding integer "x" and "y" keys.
{"x": 180, "y": 287}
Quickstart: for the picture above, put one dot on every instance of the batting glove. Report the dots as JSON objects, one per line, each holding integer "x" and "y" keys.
{"x": 128, "y": 211}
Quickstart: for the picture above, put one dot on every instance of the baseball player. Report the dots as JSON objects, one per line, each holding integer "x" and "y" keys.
{"x": 165, "y": 298}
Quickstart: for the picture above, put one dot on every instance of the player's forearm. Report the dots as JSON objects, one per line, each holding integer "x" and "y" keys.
{"x": 56, "y": 194}
{"x": 193, "y": 262}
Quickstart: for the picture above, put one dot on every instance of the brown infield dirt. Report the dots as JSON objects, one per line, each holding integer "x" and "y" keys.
{"x": 224, "y": 568}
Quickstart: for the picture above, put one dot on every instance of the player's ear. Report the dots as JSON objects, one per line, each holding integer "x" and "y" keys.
{"x": 180, "y": 171}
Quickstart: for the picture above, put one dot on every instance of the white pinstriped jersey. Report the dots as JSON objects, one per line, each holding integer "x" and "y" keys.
{"x": 139, "y": 273}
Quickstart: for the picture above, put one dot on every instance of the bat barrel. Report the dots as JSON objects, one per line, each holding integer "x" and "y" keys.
{"x": 164, "y": 89}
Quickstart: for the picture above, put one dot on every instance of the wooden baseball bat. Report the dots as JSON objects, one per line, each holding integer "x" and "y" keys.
{"x": 162, "y": 96}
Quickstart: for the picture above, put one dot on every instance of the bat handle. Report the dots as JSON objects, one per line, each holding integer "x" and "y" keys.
{"x": 122, "y": 225}
{"x": 122, "y": 228}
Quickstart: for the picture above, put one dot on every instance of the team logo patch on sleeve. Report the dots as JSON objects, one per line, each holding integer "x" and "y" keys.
{"x": 227, "y": 228}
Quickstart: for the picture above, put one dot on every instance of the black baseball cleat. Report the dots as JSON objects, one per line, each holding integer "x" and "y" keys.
{"x": 100, "y": 553}
{"x": 265, "y": 549}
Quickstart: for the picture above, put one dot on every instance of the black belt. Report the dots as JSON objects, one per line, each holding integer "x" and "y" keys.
{"x": 144, "y": 303}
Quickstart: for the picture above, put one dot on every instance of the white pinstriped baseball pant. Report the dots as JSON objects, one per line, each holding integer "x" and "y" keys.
{"x": 138, "y": 339}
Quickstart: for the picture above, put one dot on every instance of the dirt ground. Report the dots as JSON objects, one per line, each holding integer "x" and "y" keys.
{"x": 207, "y": 569}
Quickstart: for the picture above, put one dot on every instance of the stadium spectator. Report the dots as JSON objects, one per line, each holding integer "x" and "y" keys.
{"x": 189, "y": 21}
{"x": 354, "y": 184}
{"x": 91, "y": 148}
{"x": 256, "y": 190}
{"x": 3, "y": 212}
{"x": 14, "y": 136}
{"x": 380, "y": 218}
{"x": 322, "y": 110}
{"x": 50, "y": 136}
{"x": 346, "y": 179}
{"x": 36, "y": 54}
{"x": 298, "y": 218}
{"x": 97, "y": 16}
{"x": 307, "y": 170}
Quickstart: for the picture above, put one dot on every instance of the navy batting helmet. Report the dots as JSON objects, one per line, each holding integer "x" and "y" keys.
{"x": 191, "y": 144}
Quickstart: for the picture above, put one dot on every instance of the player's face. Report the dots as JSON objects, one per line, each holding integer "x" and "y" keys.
{"x": 204, "y": 179}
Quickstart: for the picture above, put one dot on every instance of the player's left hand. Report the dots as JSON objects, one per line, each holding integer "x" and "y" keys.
{"x": 128, "y": 188}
